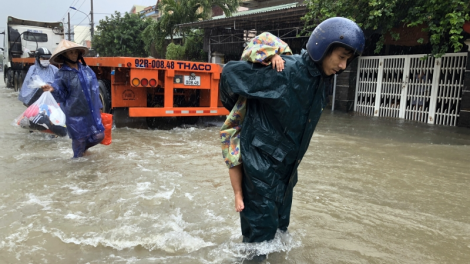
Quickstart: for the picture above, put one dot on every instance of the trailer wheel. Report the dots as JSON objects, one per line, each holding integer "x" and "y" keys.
{"x": 5, "y": 72}
{"x": 16, "y": 80}
{"x": 104, "y": 96}
{"x": 8, "y": 78}
{"x": 188, "y": 120}
{"x": 163, "y": 123}
{"x": 21, "y": 79}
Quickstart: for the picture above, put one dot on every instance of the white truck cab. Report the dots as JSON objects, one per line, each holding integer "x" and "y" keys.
{"x": 22, "y": 39}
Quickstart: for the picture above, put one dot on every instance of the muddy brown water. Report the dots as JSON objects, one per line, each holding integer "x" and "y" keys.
{"x": 370, "y": 190}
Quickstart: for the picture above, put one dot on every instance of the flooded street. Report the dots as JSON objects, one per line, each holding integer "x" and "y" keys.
{"x": 370, "y": 191}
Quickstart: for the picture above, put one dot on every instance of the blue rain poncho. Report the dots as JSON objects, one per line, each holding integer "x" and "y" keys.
{"x": 46, "y": 74}
{"x": 77, "y": 92}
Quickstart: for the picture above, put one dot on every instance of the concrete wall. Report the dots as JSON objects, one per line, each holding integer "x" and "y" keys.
{"x": 81, "y": 34}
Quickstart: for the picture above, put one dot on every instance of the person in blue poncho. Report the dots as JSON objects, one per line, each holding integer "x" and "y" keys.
{"x": 76, "y": 89}
{"x": 42, "y": 69}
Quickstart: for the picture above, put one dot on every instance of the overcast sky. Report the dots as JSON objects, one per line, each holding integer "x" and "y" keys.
{"x": 56, "y": 10}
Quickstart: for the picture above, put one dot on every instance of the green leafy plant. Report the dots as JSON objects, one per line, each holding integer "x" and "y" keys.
{"x": 443, "y": 20}
{"x": 175, "y": 52}
{"x": 176, "y": 12}
{"x": 194, "y": 46}
{"x": 121, "y": 36}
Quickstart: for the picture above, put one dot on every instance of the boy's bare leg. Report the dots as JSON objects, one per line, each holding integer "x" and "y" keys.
{"x": 235, "y": 174}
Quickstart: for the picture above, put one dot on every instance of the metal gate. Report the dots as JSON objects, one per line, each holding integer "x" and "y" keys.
{"x": 410, "y": 87}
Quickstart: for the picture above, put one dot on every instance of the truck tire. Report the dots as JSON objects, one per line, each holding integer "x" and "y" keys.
{"x": 22, "y": 76}
{"x": 5, "y": 78}
{"x": 188, "y": 120}
{"x": 105, "y": 96}
{"x": 16, "y": 81}
{"x": 162, "y": 123}
{"x": 9, "y": 78}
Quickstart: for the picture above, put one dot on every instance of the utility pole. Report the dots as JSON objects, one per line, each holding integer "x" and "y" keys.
{"x": 70, "y": 39}
{"x": 92, "y": 24}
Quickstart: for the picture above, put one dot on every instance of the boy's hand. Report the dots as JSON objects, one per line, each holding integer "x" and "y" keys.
{"x": 47, "y": 88}
{"x": 277, "y": 62}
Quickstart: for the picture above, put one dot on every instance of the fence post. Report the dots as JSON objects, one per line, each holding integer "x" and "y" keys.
{"x": 464, "y": 115}
{"x": 404, "y": 87}
{"x": 434, "y": 90}
{"x": 379, "y": 86}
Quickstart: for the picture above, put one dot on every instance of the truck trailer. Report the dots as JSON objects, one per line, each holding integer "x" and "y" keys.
{"x": 143, "y": 87}
{"x": 155, "y": 88}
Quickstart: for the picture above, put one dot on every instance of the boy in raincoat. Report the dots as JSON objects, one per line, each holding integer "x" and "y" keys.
{"x": 265, "y": 49}
{"x": 282, "y": 111}
{"x": 42, "y": 69}
{"x": 76, "y": 89}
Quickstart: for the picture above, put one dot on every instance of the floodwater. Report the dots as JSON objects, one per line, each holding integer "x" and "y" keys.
{"x": 370, "y": 190}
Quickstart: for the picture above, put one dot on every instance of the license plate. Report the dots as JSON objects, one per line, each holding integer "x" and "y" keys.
{"x": 192, "y": 80}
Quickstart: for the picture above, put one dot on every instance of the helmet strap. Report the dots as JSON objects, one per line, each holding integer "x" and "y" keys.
{"x": 80, "y": 58}
{"x": 39, "y": 62}
{"x": 65, "y": 59}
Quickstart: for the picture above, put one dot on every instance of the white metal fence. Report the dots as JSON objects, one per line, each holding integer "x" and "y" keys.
{"x": 410, "y": 87}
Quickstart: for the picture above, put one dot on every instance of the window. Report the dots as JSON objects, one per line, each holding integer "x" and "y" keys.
{"x": 31, "y": 36}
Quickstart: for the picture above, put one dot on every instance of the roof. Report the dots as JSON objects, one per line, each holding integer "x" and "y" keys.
{"x": 250, "y": 18}
{"x": 137, "y": 8}
{"x": 257, "y": 11}
{"x": 19, "y": 21}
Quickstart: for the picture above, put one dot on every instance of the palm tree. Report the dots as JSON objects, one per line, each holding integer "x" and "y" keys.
{"x": 184, "y": 11}
{"x": 176, "y": 12}
{"x": 179, "y": 12}
{"x": 228, "y": 6}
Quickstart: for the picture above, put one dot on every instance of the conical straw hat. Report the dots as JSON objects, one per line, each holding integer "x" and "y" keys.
{"x": 64, "y": 46}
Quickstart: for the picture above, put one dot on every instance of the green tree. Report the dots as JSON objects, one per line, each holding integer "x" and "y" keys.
{"x": 228, "y": 6}
{"x": 443, "y": 20}
{"x": 121, "y": 36}
{"x": 154, "y": 37}
{"x": 175, "y": 52}
{"x": 194, "y": 46}
{"x": 175, "y": 12}
{"x": 178, "y": 12}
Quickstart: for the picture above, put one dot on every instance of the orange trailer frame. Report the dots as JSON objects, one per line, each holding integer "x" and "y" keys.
{"x": 132, "y": 80}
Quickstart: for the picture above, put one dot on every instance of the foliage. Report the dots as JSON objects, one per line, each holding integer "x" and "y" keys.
{"x": 121, "y": 36}
{"x": 178, "y": 12}
{"x": 191, "y": 50}
{"x": 154, "y": 37}
{"x": 175, "y": 12}
{"x": 194, "y": 46}
{"x": 175, "y": 52}
{"x": 228, "y": 6}
{"x": 442, "y": 19}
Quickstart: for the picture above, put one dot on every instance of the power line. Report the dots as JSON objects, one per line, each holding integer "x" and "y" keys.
{"x": 77, "y": 24}
{"x": 74, "y": 38}
{"x": 71, "y": 4}
{"x": 78, "y": 8}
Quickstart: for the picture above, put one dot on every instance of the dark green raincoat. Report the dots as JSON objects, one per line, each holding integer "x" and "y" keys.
{"x": 283, "y": 109}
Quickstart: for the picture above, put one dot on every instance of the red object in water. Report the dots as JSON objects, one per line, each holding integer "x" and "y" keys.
{"x": 31, "y": 111}
{"x": 107, "y": 120}
{"x": 466, "y": 26}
